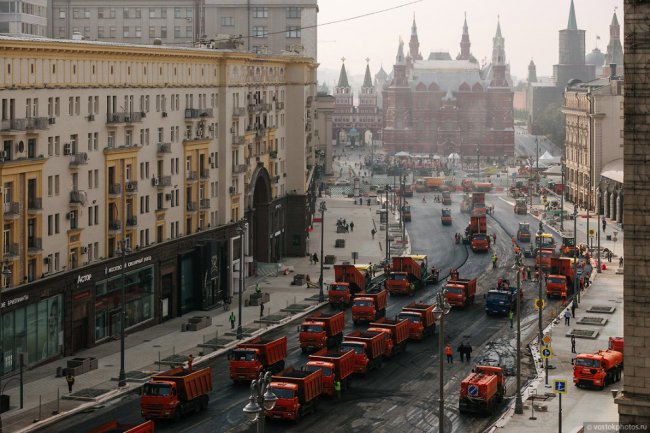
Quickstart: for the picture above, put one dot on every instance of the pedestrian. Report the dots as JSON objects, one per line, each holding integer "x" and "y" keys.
{"x": 528, "y": 271}
{"x": 232, "y": 320}
{"x": 567, "y": 318}
{"x": 514, "y": 241}
{"x": 190, "y": 361}
{"x": 604, "y": 224}
{"x": 510, "y": 317}
{"x": 573, "y": 343}
{"x": 337, "y": 389}
{"x": 258, "y": 289}
{"x": 563, "y": 299}
{"x": 351, "y": 226}
{"x": 70, "y": 380}
{"x": 468, "y": 351}
{"x": 620, "y": 262}
{"x": 461, "y": 350}
{"x": 450, "y": 354}
{"x": 523, "y": 273}
{"x": 261, "y": 308}
{"x": 494, "y": 236}
{"x": 315, "y": 258}
{"x": 573, "y": 309}
{"x": 311, "y": 259}
{"x": 372, "y": 270}
{"x": 372, "y": 232}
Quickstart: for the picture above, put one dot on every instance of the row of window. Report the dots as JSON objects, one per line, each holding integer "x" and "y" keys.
{"x": 263, "y": 32}
{"x": 127, "y": 13}
{"x": 111, "y": 32}
{"x": 22, "y": 7}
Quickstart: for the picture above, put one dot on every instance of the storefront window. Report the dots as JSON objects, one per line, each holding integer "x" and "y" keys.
{"x": 187, "y": 284}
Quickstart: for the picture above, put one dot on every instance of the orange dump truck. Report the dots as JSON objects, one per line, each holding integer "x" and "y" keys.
{"x": 321, "y": 330}
{"x": 369, "y": 306}
{"x": 349, "y": 281}
{"x": 297, "y": 392}
{"x": 560, "y": 277}
{"x": 422, "y": 322}
{"x": 336, "y": 366}
{"x": 408, "y": 273}
{"x": 461, "y": 292}
{"x": 616, "y": 343}
{"x": 368, "y": 347}
{"x": 597, "y": 369}
{"x": 116, "y": 427}
{"x": 482, "y": 391}
{"x": 398, "y": 331}
{"x": 247, "y": 360}
{"x": 175, "y": 392}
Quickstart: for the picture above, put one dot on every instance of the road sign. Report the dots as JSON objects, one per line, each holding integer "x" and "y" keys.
{"x": 472, "y": 390}
{"x": 547, "y": 352}
{"x": 546, "y": 339}
{"x": 592, "y": 233}
{"x": 538, "y": 303}
{"x": 559, "y": 386}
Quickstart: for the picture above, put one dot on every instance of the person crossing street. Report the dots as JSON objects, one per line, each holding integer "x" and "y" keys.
{"x": 232, "y": 320}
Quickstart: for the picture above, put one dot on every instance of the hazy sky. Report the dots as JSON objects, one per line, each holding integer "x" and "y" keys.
{"x": 530, "y": 29}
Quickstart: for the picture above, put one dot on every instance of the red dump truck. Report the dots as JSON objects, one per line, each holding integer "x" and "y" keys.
{"x": 547, "y": 255}
{"x": 336, "y": 366}
{"x": 116, "y": 427}
{"x": 350, "y": 280}
{"x": 297, "y": 392}
{"x": 408, "y": 273}
{"x": 369, "y": 306}
{"x": 482, "y": 391}
{"x": 598, "y": 369}
{"x": 398, "y": 331}
{"x": 422, "y": 322}
{"x": 461, "y": 292}
{"x": 478, "y": 233}
{"x": 368, "y": 347}
{"x": 560, "y": 277}
{"x": 175, "y": 392}
{"x": 321, "y": 330}
{"x": 247, "y": 360}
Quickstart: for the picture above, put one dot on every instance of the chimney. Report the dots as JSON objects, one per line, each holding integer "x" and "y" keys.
{"x": 612, "y": 71}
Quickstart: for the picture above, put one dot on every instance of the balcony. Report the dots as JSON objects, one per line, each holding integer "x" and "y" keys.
{"x": 204, "y": 173}
{"x": 279, "y": 105}
{"x": 238, "y": 140}
{"x": 164, "y": 148}
{"x": 114, "y": 118}
{"x": 34, "y": 204}
{"x": 11, "y": 210}
{"x": 240, "y": 168}
{"x": 25, "y": 124}
{"x": 259, "y": 132}
{"x": 78, "y": 197}
{"x": 114, "y": 225}
{"x": 78, "y": 159}
{"x": 238, "y": 111}
{"x": 34, "y": 245}
{"x": 253, "y": 108}
{"x": 132, "y": 221}
{"x": 10, "y": 250}
{"x": 131, "y": 186}
{"x": 115, "y": 189}
{"x": 161, "y": 181}
{"x": 196, "y": 113}
{"x": 267, "y": 107}
{"x": 191, "y": 175}
{"x": 204, "y": 203}
{"x": 273, "y": 154}
{"x": 276, "y": 179}
{"x": 191, "y": 206}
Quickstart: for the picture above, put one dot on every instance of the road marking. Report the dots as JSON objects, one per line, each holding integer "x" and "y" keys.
{"x": 391, "y": 408}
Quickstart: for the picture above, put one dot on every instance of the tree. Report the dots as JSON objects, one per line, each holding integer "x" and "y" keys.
{"x": 551, "y": 124}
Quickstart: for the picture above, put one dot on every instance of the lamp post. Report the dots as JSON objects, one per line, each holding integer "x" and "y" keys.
{"x": 441, "y": 309}
{"x": 537, "y": 165}
{"x": 540, "y": 277}
{"x": 403, "y": 193}
{"x": 478, "y": 164}
{"x": 241, "y": 231}
{"x": 6, "y": 272}
{"x": 588, "y": 205}
{"x": 323, "y": 208}
{"x": 562, "y": 196}
{"x": 576, "y": 292}
{"x": 387, "y": 240}
{"x": 261, "y": 399}
{"x": 598, "y": 196}
{"x": 123, "y": 251}
{"x": 519, "y": 405}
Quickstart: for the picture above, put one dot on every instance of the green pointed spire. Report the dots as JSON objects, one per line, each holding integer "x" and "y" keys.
{"x": 573, "y": 24}
{"x": 367, "y": 81}
{"x": 343, "y": 78}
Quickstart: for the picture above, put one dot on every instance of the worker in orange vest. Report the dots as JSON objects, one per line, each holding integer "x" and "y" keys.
{"x": 449, "y": 353}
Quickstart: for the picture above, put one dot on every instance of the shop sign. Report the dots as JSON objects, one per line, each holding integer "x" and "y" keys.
{"x": 129, "y": 264}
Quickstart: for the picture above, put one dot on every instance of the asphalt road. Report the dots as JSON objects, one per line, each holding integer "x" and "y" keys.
{"x": 403, "y": 394}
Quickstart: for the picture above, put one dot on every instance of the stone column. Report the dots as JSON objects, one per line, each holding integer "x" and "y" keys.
{"x": 612, "y": 205}
{"x": 634, "y": 400}
{"x": 606, "y": 203}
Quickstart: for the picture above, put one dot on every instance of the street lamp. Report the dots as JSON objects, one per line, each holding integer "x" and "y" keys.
{"x": 598, "y": 197}
{"x": 387, "y": 239}
{"x": 537, "y": 164}
{"x": 261, "y": 399}
{"x": 562, "y": 196}
{"x": 6, "y": 272}
{"x": 441, "y": 309}
{"x": 122, "y": 251}
{"x": 323, "y": 208}
{"x": 588, "y": 205}
{"x": 540, "y": 277}
{"x": 478, "y": 164}
{"x": 576, "y": 292}
{"x": 241, "y": 231}
{"x": 519, "y": 405}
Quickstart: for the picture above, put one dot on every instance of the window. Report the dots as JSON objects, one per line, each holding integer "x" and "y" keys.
{"x": 138, "y": 31}
{"x": 75, "y": 13}
{"x": 125, "y": 31}
{"x": 112, "y": 13}
{"x": 112, "y": 32}
{"x": 61, "y": 14}
{"x": 188, "y": 31}
{"x": 87, "y": 13}
{"x": 100, "y": 13}
{"x": 125, "y": 13}
{"x": 152, "y": 31}
{"x": 177, "y": 12}
{"x": 260, "y": 12}
{"x": 260, "y": 32}
{"x": 152, "y": 12}
{"x": 227, "y": 21}
{"x": 163, "y": 13}
{"x": 177, "y": 31}
{"x": 163, "y": 32}
{"x": 293, "y": 12}
{"x": 138, "y": 13}
{"x": 100, "y": 32}
{"x": 293, "y": 32}
{"x": 188, "y": 13}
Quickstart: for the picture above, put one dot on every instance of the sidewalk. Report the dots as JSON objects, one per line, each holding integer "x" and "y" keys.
{"x": 167, "y": 343}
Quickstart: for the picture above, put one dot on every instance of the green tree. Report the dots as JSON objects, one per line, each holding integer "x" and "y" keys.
{"x": 551, "y": 124}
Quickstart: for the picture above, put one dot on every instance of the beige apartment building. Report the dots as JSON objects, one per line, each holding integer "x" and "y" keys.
{"x": 153, "y": 151}
{"x": 267, "y": 26}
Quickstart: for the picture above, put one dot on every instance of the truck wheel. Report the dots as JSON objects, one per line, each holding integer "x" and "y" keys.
{"x": 356, "y": 322}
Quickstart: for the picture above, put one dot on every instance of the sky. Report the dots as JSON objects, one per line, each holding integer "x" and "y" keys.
{"x": 530, "y": 29}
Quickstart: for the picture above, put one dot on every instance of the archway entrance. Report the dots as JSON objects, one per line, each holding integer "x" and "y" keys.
{"x": 263, "y": 217}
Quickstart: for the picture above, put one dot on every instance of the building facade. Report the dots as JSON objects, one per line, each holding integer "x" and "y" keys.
{"x": 443, "y": 106}
{"x": 160, "y": 150}
{"x": 262, "y": 26}
{"x": 25, "y": 17}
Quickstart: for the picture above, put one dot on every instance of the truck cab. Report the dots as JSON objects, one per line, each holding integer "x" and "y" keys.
{"x": 406, "y": 212}
{"x": 480, "y": 242}
{"x": 568, "y": 245}
{"x": 361, "y": 359}
{"x": 339, "y": 294}
{"x": 160, "y": 394}
{"x": 312, "y": 334}
{"x": 245, "y": 363}
{"x": 398, "y": 282}
{"x": 416, "y": 327}
{"x": 446, "y": 217}
{"x": 287, "y": 405}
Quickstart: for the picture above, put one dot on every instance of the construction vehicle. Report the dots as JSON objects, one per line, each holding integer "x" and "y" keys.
{"x": 116, "y": 427}
{"x": 428, "y": 184}
{"x": 446, "y": 198}
{"x": 248, "y": 359}
{"x": 406, "y": 213}
{"x": 568, "y": 245}
{"x": 446, "y": 217}
{"x": 519, "y": 188}
{"x": 548, "y": 241}
{"x": 297, "y": 392}
{"x": 523, "y": 232}
{"x": 321, "y": 330}
{"x": 560, "y": 277}
{"x": 616, "y": 343}
{"x": 502, "y": 299}
{"x": 422, "y": 321}
{"x": 369, "y": 306}
{"x": 468, "y": 185}
{"x": 476, "y": 232}
{"x": 368, "y": 347}
{"x": 483, "y": 187}
{"x": 598, "y": 369}
{"x": 349, "y": 281}
{"x": 408, "y": 274}
{"x": 466, "y": 204}
{"x": 336, "y": 366}
{"x": 478, "y": 203}
{"x": 521, "y": 208}
{"x": 460, "y": 292}
{"x": 398, "y": 331}
{"x": 176, "y": 392}
{"x": 482, "y": 391}
{"x": 547, "y": 254}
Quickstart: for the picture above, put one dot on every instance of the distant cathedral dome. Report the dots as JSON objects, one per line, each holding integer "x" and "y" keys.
{"x": 596, "y": 57}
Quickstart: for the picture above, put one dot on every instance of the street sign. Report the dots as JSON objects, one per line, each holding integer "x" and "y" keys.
{"x": 592, "y": 233}
{"x": 472, "y": 390}
{"x": 538, "y": 303}
{"x": 559, "y": 386}
{"x": 546, "y": 339}
{"x": 547, "y": 352}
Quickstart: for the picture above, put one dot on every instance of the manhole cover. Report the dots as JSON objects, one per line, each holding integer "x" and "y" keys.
{"x": 597, "y": 321}
{"x": 582, "y": 333}
{"x": 605, "y": 309}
